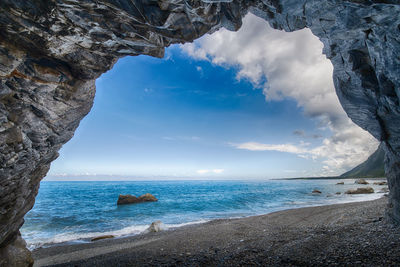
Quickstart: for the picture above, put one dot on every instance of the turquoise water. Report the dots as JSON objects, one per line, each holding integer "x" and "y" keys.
{"x": 77, "y": 211}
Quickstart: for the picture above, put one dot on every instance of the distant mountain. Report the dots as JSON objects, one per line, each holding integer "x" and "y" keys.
{"x": 372, "y": 167}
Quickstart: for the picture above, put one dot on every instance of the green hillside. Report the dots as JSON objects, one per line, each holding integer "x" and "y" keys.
{"x": 372, "y": 167}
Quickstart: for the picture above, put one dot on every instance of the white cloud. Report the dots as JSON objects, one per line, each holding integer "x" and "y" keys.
{"x": 216, "y": 171}
{"x": 290, "y": 65}
{"x": 254, "y": 146}
{"x": 200, "y": 70}
{"x": 342, "y": 151}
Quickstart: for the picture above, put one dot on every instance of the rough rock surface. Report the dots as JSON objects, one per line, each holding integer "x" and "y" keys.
{"x": 51, "y": 52}
{"x": 16, "y": 254}
{"x": 129, "y": 199}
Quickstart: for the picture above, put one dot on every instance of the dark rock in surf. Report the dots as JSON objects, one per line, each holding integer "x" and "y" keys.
{"x": 129, "y": 199}
{"x": 360, "y": 190}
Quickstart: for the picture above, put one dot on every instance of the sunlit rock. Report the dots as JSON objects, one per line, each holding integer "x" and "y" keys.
{"x": 129, "y": 199}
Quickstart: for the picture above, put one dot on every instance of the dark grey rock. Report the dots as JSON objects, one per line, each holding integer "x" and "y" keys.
{"x": 51, "y": 52}
{"x": 15, "y": 254}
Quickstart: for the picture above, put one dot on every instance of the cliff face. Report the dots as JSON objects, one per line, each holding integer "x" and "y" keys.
{"x": 372, "y": 167}
{"x": 51, "y": 52}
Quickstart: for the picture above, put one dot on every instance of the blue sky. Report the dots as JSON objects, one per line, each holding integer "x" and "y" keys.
{"x": 200, "y": 114}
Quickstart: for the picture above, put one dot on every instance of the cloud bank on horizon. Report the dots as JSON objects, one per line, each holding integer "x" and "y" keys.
{"x": 289, "y": 65}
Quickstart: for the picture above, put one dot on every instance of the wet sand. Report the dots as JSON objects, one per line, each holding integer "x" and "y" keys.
{"x": 342, "y": 234}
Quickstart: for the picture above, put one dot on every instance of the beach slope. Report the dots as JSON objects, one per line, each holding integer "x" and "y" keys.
{"x": 342, "y": 234}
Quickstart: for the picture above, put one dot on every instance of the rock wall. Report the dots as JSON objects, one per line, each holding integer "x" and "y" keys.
{"x": 51, "y": 52}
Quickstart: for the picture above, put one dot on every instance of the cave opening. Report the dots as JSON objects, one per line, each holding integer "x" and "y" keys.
{"x": 52, "y": 52}
{"x": 264, "y": 109}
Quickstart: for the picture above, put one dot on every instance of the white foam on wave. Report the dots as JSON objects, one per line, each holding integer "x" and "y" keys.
{"x": 86, "y": 237}
{"x": 171, "y": 226}
{"x": 336, "y": 199}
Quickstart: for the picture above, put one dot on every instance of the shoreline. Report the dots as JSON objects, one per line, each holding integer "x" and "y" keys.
{"x": 262, "y": 239}
{"x": 86, "y": 237}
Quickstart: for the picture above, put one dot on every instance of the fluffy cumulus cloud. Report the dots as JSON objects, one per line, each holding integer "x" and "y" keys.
{"x": 290, "y": 65}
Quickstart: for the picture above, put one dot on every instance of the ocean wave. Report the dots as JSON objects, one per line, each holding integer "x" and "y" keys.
{"x": 84, "y": 219}
{"x": 73, "y": 237}
{"x": 171, "y": 226}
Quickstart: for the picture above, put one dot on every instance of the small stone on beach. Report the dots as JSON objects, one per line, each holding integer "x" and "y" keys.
{"x": 155, "y": 227}
{"x": 102, "y": 237}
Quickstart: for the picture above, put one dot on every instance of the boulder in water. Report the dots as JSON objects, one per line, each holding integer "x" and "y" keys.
{"x": 155, "y": 226}
{"x": 316, "y": 191}
{"x": 129, "y": 199}
{"x": 148, "y": 198}
{"x": 380, "y": 183}
{"x": 361, "y": 181}
{"x": 362, "y": 190}
{"x": 340, "y": 183}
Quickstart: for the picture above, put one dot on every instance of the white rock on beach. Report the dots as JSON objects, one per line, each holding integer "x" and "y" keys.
{"x": 156, "y": 226}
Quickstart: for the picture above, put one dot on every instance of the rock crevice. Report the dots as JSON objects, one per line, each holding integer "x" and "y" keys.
{"x": 51, "y": 52}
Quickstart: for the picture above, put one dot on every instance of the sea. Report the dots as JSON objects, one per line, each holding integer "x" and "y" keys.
{"x": 76, "y": 211}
